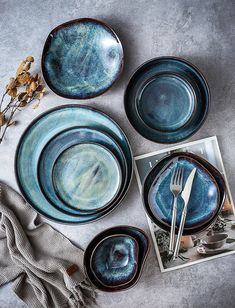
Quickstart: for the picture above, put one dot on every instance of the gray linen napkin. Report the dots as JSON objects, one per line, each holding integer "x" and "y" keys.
{"x": 44, "y": 266}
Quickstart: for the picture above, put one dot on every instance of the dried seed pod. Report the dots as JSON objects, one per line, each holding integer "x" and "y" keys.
{"x": 30, "y": 59}
{"x": 21, "y": 96}
{"x": 20, "y": 68}
{"x": 33, "y": 85}
{"x": 23, "y": 104}
{"x": 11, "y": 83}
{"x": 23, "y": 78}
{"x": 12, "y": 92}
{"x": 27, "y": 66}
{"x": 2, "y": 119}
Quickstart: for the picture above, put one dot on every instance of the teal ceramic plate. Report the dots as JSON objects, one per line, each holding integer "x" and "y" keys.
{"x": 37, "y": 135}
{"x": 206, "y": 199}
{"x": 114, "y": 259}
{"x": 87, "y": 176}
{"x": 60, "y": 143}
{"x": 82, "y": 58}
{"x": 167, "y": 99}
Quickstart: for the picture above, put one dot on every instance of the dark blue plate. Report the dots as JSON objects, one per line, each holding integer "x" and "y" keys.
{"x": 133, "y": 232}
{"x": 167, "y": 100}
{"x": 82, "y": 58}
{"x": 114, "y": 260}
{"x": 207, "y": 194}
{"x": 37, "y": 135}
{"x": 60, "y": 143}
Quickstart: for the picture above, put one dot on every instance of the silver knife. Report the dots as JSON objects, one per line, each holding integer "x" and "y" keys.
{"x": 185, "y": 195}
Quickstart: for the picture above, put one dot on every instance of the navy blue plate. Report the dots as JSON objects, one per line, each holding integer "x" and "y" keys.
{"x": 82, "y": 58}
{"x": 167, "y": 100}
{"x": 207, "y": 194}
{"x": 60, "y": 143}
{"x": 143, "y": 244}
{"x": 114, "y": 260}
{"x": 37, "y": 135}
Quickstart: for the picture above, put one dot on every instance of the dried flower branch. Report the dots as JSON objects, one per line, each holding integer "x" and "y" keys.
{"x": 21, "y": 91}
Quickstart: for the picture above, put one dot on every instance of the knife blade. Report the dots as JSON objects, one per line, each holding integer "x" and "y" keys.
{"x": 186, "y": 196}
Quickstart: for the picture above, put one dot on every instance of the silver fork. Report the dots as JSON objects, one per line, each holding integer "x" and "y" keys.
{"x": 176, "y": 186}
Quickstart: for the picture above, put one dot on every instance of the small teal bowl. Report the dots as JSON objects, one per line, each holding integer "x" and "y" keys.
{"x": 167, "y": 99}
{"x": 82, "y": 58}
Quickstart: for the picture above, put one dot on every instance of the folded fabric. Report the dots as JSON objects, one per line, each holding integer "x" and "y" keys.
{"x": 44, "y": 266}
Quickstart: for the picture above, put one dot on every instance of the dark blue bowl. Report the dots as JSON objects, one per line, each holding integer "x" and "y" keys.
{"x": 203, "y": 209}
{"x": 167, "y": 99}
{"x": 82, "y": 58}
{"x": 126, "y": 276}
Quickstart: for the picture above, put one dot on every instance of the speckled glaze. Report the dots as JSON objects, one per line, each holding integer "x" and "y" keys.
{"x": 82, "y": 58}
{"x": 143, "y": 243}
{"x": 204, "y": 198}
{"x": 196, "y": 220}
{"x": 114, "y": 261}
{"x": 87, "y": 176}
{"x": 166, "y": 102}
{"x": 188, "y": 86}
{"x": 36, "y": 136}
{"x": 60, "y": 143}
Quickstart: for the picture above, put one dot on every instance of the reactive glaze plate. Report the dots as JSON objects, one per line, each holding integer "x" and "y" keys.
{"x": 60, "y": 143}
{"x": 143, "y": 243}
{"x": 82, "y": 58}
{"x": 87, "y": 176}
{"x": 167, "y": 100}
{"x": 202, "y": 208}
{"x": 37, "y": 135}
{"x": 114, "y": 260}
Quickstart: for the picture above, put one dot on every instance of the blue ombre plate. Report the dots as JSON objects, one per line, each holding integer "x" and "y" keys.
{"x": 114, "y": 260}
{"x": 207, "y": 195}
{"x": 87, "y": 176}
{"x": 82, "y": 58}
{"x": 123, "y": 273}
{"x": 167, "y": 100}
{"x": 60, "y": 143}
{"x": 37, "y": 135}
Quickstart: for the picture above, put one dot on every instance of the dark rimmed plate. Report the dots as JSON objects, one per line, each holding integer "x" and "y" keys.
{"x": 114, "y": 261}
{"x": 61, "y": 142}
{"x": 82, "y": 58}
{"x": 162, "y": 166}
{"x": 87, "y": 176}
{"x": 167, "y": 99}
{"x": 138, "y": 235}
{"x": 36, "y": 136}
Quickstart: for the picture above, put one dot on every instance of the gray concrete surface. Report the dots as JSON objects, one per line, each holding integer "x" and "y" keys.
{"x": 200, "y": 31}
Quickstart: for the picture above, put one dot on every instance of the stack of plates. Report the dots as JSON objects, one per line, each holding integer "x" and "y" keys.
{"x": 207, "y": 195}
{"x": 73, "y": 164}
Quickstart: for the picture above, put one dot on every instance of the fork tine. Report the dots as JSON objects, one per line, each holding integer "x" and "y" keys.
{"x": 178, "y": 176}
{"x": 175, "y": 175}
{"x": 182, "y": 176}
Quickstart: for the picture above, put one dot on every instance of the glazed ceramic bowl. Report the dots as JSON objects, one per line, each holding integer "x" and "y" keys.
{"x": 82, "y": 58}
{"x": 114, "y": 261}
{"x": 214, "y": 241}
{"x": 57, "y": 145}
{"x": 167, "y": 99}
{"x": 207, "y": 194}
{"x": 125, "y": 262}
{"x": 87, "y": 177}
{"x": 39, "y": 133}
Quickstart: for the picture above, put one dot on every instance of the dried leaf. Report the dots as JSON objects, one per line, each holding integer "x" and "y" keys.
{"x": 23, "y": 79}
{"x": 12, "y": 92}
{"x": 2, "y": 119}
{"x": 30, "y": 59}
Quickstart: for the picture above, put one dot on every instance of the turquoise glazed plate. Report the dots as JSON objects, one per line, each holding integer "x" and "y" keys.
{"x": 37, "y": 135}
{"x": 60, "y": 143}
{"x": 114, "y": 259}
{"x": 87, "y": 176}
{"x": 82, "y": 58}
{"x": 167, "y": 100}
{"x": 206, "y": 198}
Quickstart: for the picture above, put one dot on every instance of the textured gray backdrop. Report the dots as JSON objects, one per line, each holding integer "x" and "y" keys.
{"x": 200, "y": 31}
